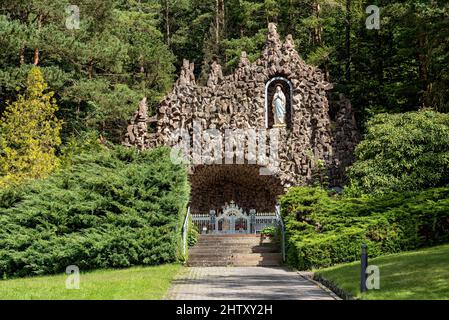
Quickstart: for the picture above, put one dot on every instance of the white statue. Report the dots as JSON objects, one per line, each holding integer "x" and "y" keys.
{"x": 278, "y": 105}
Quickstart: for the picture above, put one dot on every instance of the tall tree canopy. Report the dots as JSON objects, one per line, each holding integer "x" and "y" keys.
{"x": 98, "y": 71}
{"x": 127, "y": 49}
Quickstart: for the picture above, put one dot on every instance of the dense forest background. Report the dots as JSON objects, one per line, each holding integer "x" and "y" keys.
{"x": 126, "y": 49}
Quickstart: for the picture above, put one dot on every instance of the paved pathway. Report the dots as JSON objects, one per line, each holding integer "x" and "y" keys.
{"x": 223, "y": 283}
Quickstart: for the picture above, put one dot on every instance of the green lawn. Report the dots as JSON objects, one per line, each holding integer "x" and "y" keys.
{"x": 421, "y": 274}
{"x": 133, "y": 283}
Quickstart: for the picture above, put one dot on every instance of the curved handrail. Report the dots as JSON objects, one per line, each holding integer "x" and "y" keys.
{"x": 281, "y": 222}
{"x": 185, "y": 228}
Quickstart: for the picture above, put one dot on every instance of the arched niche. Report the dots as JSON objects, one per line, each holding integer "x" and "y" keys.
{"x": 212, "y": 186}
{"x": 270, "y": 88}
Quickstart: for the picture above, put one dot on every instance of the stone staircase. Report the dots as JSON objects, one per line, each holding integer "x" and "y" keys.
{"x": 234, "y": 250}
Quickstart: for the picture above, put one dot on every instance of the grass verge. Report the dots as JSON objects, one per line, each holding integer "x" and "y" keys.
{"x": 414, "y": 275}
{"x": 124, "y": 284}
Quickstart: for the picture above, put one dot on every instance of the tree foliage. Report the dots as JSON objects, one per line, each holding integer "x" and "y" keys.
{"x": 125, "y": 50}
{"x": 402, "y": 152}
{"x": 100, "y": 71}
{"x": 322, "y": 231}
{"x": 29, "y": 133}
{"x": 109, "y": 208}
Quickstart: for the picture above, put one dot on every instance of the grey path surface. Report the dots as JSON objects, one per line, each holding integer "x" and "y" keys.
{"x": 224, "y": 283}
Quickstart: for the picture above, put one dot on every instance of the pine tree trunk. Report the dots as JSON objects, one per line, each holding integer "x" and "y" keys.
{"x": 223, "y": 16}
{"x": 36, "y": 50}
{"x": 318, "y": 37}
{"x": 217, "y": 27}
{"x": 318, "y": 30}
{"x": 36, "y": 56}
{"x": 167, "y": 23}
{"x": 348, "y": 40}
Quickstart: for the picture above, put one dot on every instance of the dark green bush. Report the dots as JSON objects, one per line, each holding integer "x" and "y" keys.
{"x": 402, "y": 152}
{"x": 113, "y": 208}
{"x": 334, "y": 227}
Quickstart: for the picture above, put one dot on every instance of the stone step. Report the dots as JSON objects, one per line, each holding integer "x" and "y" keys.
{"x": 275, "y": 256}
{"x": 223, "y": 260}
{"x": 222, "y": 246}
{"x": 230, "y": 239}
{"x": 234, "y": 244}
{"x": 207, "y": 264}
{"x": 235, "y": 235}
{"x": 234, "y": 240}
{"x": 213, "y": 250}
{"x": 257, "y": 256}
{"x": 224, "y": 255}
{"x": 234, "y": 250}
{"x": 230, "y": 236}
{"x": 262, "y": 259}
{"x": 235, "y": 264}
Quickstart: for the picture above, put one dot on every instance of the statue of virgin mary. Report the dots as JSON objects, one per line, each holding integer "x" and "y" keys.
{"x": 278, "y": 105}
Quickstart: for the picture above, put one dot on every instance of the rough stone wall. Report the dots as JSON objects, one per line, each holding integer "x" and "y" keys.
{"x": 137, "y": 131}
{"x": 345, "y": 137}
{"x": 237, "y": 101}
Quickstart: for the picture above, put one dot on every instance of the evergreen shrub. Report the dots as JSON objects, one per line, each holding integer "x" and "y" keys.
{"x": 323, "y": 230}
{"x": 111, "y": 208}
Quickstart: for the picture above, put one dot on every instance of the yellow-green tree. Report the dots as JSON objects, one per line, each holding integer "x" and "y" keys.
{"x": 29, "y": 133}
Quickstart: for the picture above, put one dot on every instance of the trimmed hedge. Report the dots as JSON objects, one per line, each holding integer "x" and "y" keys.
{"x": 113, "y": 208}
{"x": 323, "y": 230}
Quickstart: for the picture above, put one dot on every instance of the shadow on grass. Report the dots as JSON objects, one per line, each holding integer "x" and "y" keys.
{"x": 422, "y": 274}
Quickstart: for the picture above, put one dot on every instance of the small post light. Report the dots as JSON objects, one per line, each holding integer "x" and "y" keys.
{"x": 364, "y": 265}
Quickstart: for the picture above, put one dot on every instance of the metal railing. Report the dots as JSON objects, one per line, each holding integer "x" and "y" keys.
{"x": 256, "y": 224}
{"x": 261, "y": 220}
{"x": 185, "y": 230}
{"x": 201, "y": 221}
{"x": 281, "y": 224}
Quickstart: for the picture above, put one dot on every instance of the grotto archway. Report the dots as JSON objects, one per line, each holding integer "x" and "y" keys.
{"x": 214, "y": 186}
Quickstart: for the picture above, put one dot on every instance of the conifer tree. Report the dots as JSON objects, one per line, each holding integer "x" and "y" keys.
{"x": 29, "y": 133}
